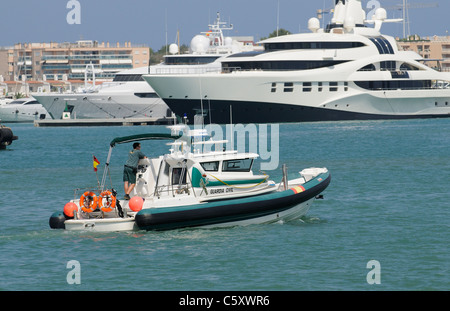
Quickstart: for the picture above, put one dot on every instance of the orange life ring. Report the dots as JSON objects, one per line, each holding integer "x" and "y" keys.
{"x": 88, "y": 202}
{"x": 110, "y": 201}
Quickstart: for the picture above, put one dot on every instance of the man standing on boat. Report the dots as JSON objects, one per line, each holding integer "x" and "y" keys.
{"x": 130, "y": 169}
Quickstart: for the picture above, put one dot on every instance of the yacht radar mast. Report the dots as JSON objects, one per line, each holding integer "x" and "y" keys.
{"x": 349, "y": 17}
{"x": 215, "y": 33}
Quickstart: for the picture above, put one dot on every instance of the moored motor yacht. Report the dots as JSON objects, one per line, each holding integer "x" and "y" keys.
{"x": 348, "y": 71}
{"x": 22, "y": 110}
{"x": 127, "y": 96}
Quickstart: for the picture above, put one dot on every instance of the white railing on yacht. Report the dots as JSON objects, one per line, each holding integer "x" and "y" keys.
{"x": 174, "y": 71}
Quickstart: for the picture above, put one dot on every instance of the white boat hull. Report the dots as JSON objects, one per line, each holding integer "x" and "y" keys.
{"x": 104, "y": 106}
{"x": 101, "y": 225}
{"x": 252, "y": 101}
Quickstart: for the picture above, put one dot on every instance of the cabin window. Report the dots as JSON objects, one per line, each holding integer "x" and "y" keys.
{"x": 210, "y": 166}
{"x": 408, "y": 67}
{"x": 127, "y": 78}
{"x": 319, "y": 84}
{"x": 370, "y": 67}
{"x": 274, "y": 87}
{"x": 311, "y": 45}
{"x": 146, "y": 95}
{"x": 388, "y": 65}
{"x": 239, "y": 165}
{"x": 307, "y": 86}
{"x": 333, "y": 86}
{"x": 288, "y": 86}
{"x": 178, "y": 176}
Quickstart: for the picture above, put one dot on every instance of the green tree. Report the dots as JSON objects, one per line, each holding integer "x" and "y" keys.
{"x": 281, "y": 32}
{"x": 157, "y": 57}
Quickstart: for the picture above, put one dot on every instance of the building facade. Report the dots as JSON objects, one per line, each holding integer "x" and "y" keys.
{"x": 68, "y": 61}
{"x": 435, "y": 48}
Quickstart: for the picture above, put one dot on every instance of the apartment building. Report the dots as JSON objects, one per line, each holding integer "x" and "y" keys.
{"x": 435, "y": 48}
{"x": 68, "y": 61}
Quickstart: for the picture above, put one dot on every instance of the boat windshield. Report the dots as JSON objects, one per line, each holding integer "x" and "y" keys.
{"x": 237, "y": 165}
{"x": 17, "y": 102}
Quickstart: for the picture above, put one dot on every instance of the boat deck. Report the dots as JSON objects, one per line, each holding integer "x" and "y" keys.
{"x": 104, "y": 122}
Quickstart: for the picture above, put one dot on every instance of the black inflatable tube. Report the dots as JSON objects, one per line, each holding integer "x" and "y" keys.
{"x": 214, "y": 213}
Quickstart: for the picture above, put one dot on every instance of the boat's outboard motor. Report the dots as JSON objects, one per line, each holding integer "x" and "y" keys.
{"x": 6, "y": 137}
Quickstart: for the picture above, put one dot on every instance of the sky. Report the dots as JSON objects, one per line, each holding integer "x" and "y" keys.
{"x": 156, "y": 22}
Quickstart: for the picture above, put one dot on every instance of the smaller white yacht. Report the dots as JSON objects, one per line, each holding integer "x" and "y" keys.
{"x": 22, "y": 110}
{"x": 127, "y": 96}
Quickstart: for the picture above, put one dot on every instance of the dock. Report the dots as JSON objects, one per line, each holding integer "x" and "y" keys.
{"x": 104, "y": 122}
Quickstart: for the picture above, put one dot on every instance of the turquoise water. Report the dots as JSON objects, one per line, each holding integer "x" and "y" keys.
{"x": 388, "y": 201}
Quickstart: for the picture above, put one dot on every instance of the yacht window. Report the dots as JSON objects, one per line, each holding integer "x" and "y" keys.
{"x": 307, "y": 86}
{"x": 394, "y": 85}
{"x": 311, "y": 45}
{"x": 388, "y": 65}
{"x": 189, "y": 60}
{"x": 408, "y": 67}
{"x": 210, "y": 166}
{"x": 319, "y": 84}
{"x": 333, "y": 86}
{"x": 370, "y": 67}
{"x": 16, "y": 102}
{"x": 288, "y": 86}
{"x": 146, "y": 95}
{"x": 33, "y": 102}
{"x": 274, "y": 87}
{"x": 127, "y": 78}
{"x": 345, "y": 86}
{"x": 240, "y": 165}
{"x": 177, "y": 178}
{"x": 280, "y": 65}
{"x": 382, "y": 44}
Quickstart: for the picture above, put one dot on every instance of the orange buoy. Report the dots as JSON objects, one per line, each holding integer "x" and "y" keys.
{"x": 69, "y": 209}
{"x": 88, "y": 202}
{"x": 110, "y": 201}
{"x": 136, "y": 204}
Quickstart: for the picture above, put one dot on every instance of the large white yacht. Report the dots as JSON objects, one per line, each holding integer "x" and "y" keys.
{"x": 129, "y": 96}
{"x": 348, "y": 71}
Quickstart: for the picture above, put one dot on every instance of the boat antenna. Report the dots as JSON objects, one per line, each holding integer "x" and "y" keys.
{"x": 231, "y": 127}
{"x": 278, "y": 16}
{"x": 201, "y": 101}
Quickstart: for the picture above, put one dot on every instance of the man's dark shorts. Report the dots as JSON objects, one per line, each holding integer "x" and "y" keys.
{"x": 129, "y": 174}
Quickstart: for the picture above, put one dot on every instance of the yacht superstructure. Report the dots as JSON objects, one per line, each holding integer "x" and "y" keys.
{"x": 348, "y": 71}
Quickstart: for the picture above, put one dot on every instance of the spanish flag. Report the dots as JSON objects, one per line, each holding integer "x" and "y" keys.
{"x": 96, "y": 163}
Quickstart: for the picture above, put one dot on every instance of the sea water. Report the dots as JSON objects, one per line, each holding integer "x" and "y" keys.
{"x": 388, "y": 203}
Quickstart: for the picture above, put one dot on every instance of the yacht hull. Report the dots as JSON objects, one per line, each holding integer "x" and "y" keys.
{"x": 218, "y": 111}
{"x": 103, "y": 106}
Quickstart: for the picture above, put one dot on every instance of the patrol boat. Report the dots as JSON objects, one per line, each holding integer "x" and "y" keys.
{"x": 197, "y": 184}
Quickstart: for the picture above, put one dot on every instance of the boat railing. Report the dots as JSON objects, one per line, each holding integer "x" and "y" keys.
{"x": 186, "y": 70}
